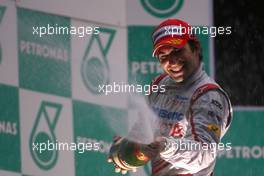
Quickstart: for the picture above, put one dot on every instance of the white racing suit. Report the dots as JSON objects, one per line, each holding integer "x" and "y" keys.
{"x": 196, "y": 111}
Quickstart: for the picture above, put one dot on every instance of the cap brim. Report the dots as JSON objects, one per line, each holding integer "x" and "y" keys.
{"x": 176, "y": 43}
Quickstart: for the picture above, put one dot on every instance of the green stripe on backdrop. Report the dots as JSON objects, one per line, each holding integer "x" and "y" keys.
{"x": 247, "y": 155}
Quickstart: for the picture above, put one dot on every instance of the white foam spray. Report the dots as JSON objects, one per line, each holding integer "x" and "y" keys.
{"x": 140, "y": 123}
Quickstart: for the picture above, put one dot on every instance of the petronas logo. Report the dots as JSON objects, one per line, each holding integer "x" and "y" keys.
{"x": 95, "y": 68}
{"x": 44, "y": 131}
{"x": 162, "y": 9}
{"x": 2, "y": 12}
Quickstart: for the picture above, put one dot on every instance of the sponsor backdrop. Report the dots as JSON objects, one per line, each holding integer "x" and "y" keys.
{"x": 49, "y": 84}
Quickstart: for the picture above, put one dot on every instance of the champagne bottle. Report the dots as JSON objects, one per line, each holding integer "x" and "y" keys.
{"x": 128, "y": 155}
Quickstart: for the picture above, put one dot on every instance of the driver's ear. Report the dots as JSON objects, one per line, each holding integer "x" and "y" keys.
{"x": 197, "y": 46}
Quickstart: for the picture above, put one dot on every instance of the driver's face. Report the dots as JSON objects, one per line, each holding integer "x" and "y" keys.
{"x": 179, "y": 63}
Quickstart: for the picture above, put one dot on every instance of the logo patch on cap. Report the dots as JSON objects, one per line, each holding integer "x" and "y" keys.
{"x": 175, "y": 41}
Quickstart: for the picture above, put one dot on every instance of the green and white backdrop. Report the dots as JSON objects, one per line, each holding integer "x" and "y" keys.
{"x": 48, "y": 84}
